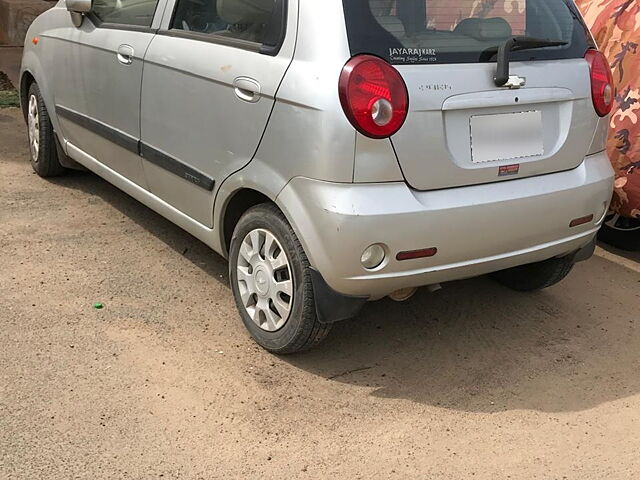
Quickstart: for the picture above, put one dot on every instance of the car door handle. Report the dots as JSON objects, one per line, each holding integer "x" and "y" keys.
{"x": 125, "y": 54}
{"x": 247, "y": 89}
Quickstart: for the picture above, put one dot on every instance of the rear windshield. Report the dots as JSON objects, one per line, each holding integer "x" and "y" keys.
{"x": 462, "y": 31}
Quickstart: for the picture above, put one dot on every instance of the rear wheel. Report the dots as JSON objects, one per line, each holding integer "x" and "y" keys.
{"x": 621, "y": 232}
{"x": 271, "y": 283}
{"x": 42, "y": 143}
{"x": 535, "y": 276}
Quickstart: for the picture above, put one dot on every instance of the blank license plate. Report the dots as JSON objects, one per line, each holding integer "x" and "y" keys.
{"x": 506, "y": 136}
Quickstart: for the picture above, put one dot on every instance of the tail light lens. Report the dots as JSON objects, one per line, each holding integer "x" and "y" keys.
{"x": 602, "y": 89}
{"x": 374, "y": 96}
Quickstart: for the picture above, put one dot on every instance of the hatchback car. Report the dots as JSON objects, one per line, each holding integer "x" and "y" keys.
{"x": 336, "y": 152}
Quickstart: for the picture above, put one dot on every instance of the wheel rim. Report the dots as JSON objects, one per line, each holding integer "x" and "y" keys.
{"x": 623, "y": 224}
{"x": 265, "y": 281}
{"x": 33, "y": 122}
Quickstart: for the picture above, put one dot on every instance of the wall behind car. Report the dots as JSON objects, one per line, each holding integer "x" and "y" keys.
{"x": 16, "y": 16}
{"x": 616, "y": 27}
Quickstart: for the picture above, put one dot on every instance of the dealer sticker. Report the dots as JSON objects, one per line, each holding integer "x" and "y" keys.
{"x": 508, "y": 170}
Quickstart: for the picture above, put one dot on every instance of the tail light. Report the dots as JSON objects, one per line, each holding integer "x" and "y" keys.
{"x": 374, "y": 96}
{"x": 602, "y": 89}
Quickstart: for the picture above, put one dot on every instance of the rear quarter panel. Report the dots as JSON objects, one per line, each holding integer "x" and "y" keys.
{"x": 615, "y": 25}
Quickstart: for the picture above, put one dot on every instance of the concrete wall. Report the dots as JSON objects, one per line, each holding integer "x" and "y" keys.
{"x": 16, "y": 16}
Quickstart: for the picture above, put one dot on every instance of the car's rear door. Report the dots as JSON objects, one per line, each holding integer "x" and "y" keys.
{"x": 97, "y": 82}
{"x": 209, "y": 86}
{"x": 463, "y": 129}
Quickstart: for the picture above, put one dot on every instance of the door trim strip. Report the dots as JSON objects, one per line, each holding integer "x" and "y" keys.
{"x": 134, "y": 145}
{"x": 176, "y": 167}
{"x": 118, "y": 137}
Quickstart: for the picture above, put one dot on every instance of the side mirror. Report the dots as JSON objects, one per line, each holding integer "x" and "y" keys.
{"x": 78, "y": 8}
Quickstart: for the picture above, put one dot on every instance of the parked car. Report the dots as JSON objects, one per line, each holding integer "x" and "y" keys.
{"x": 336, "y": 152}
{"x": 617, "y": 30}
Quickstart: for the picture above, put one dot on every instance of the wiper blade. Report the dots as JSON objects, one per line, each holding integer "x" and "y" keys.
{"x": 513, "y": 44}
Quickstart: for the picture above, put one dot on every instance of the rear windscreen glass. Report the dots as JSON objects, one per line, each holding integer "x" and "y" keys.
{"x": 462, "y": 31}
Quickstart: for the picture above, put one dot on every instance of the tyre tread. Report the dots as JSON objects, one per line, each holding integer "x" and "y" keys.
{"x": 624, "y": 240}
{"x": 48, "y": 164}
{"x": 311, "y": 331}
{"x": 536, "y": 276}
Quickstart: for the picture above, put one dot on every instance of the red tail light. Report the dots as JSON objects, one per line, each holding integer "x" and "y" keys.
{"x": 374, "y": 96}
{"x": 602, "y": 89}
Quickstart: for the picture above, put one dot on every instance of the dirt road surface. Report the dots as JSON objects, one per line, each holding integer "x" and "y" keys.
{"x": 474, "y": 382}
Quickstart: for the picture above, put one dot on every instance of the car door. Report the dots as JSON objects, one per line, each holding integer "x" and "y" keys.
{"x": 98, "y": 79}
{"x": 209, "y": 85}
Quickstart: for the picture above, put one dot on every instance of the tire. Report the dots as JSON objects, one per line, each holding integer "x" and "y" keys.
{"x": 259, "y": 281}
{"x": 621, "y": 232}
{"x": 535, "y": 276}
{"x": 42, "y": 143}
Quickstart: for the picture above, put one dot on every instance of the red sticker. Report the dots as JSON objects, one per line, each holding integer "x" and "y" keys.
{"x": 509, "y": 170}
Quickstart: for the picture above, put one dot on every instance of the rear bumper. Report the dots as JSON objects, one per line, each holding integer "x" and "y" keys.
{"x": 476, "y": 229}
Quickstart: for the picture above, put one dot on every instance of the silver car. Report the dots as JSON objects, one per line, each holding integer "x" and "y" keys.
{"x": 335, "y": 151}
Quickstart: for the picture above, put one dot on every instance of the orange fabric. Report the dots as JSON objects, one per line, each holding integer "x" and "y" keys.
{"x": 616, "y": 27}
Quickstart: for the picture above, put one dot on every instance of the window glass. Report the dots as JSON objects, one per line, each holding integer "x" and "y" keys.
{"x": 125, "y": 12}
{"x": 248, "y": 20}
{"x": 461, "y": 31}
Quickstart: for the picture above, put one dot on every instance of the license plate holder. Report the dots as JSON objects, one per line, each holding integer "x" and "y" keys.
{"x": 506, "y": 136}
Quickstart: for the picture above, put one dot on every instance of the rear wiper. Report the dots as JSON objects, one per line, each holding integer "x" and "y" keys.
{"x": 515, "y": 44}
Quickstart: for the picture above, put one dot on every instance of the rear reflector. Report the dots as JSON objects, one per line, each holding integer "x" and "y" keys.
{"x": 414, "y": 254}
{"x": 581, "y": 221}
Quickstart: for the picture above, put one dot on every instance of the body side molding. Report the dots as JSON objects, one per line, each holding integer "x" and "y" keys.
{"x": 134, "y": 145}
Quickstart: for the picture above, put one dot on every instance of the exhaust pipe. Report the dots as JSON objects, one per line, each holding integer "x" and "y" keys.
{"x": 405, "y": 294}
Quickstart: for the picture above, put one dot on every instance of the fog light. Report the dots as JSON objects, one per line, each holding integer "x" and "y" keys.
{"x": 373, "y": 256}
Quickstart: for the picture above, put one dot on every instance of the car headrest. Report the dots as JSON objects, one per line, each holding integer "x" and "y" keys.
{"x": 484, "y": 28}
{"x": 244, "y": 11}
{"x": 392, "y": 25}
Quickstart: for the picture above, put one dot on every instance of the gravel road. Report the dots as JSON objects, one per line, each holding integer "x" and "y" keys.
{"x": 473, "y": 382}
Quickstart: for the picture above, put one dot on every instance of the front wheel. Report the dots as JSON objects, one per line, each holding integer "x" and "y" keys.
{"x": 621, "y": 232}
{"x": 535, "y": 276}
{"x": 271, "y": 283}
{"x": 42, "y": 143}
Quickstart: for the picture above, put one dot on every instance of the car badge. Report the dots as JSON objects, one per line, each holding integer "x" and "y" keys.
{"x": 515, "y": 82}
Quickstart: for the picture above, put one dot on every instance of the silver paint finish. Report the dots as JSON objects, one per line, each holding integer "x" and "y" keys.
{"x": 38, "y": 60}
{"x": 477, "y": 229}
{"x": 101, "y": 79}
{"x": 434, "y": 147}
{"x": 79, "y": 6}
{"x": 375, "y": 161}
{"x": 223, "y": 96}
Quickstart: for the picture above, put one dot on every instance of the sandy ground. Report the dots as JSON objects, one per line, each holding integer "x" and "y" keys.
{"x": 472, "y": 382}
